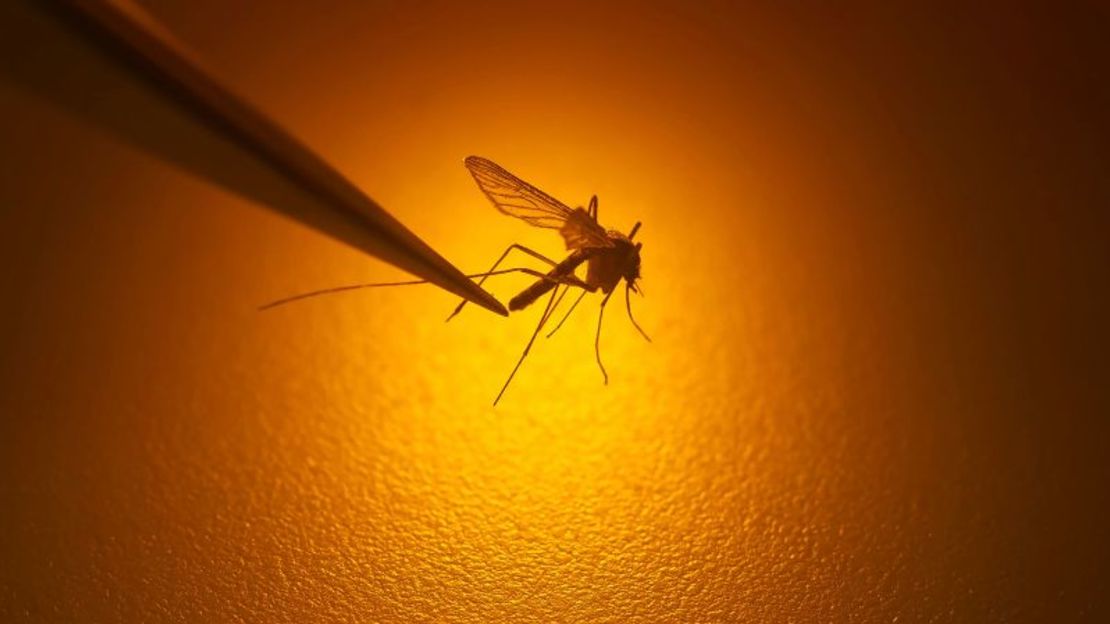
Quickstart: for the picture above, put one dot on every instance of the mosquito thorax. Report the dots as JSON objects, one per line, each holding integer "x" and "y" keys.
{"x": 633, "y": 272}
{"x": 628, "y": 254}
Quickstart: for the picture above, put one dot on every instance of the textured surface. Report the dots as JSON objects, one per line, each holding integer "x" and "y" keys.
{"x": 873, "y": 252}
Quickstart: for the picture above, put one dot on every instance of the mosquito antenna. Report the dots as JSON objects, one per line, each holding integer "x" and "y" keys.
{"x": 628, "y": 306}
{"x": 565, "y": 316}
{"x": 635, "y": 228}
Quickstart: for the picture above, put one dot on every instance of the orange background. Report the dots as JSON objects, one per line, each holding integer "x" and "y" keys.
{"x": 874, "y": 259}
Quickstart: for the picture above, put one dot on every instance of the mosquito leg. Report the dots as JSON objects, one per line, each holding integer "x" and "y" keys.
{"x": 569, "y": 281}
{"x": 535, "y": 254}
{"x": 565, "y": 316}
{"x": 528, "y": 347}
{"x": 333, "y": 290}
{"x": 559, "y": 299}
{"x": 597, "y": 337}
{"x": 532, "y": 272}
{"x": 558, "y": 280}
{"x": 628, "y": 306}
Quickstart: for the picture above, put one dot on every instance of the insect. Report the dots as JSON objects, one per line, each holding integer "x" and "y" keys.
{"x": 610, "y": 256}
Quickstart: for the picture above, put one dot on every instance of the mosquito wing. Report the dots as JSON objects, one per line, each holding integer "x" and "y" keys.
{"x": 517, "y": 198}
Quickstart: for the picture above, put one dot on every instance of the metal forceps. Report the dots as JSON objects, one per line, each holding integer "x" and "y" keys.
{"x": 80, "y": 54}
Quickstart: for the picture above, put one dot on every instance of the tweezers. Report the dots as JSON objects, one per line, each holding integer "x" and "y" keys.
{"x": 155, "y": 58}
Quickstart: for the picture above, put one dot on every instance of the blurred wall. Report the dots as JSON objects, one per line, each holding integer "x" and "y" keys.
{"x": 875, "y": 251}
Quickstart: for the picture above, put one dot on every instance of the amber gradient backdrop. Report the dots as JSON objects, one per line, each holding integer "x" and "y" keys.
{"x": 875, "y": 251}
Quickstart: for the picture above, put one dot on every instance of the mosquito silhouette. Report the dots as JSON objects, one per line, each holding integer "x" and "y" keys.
{"x": 609, "y": 255}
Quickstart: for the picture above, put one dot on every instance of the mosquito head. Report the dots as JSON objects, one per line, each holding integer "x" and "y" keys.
{"x": 632, "y": 273}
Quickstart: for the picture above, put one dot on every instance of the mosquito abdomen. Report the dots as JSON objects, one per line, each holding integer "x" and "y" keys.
{"x": 530, "y": 294}
{"x": 558, "y": 272}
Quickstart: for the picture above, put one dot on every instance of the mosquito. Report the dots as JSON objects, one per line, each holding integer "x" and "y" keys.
{"x": 610, "y": 256}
